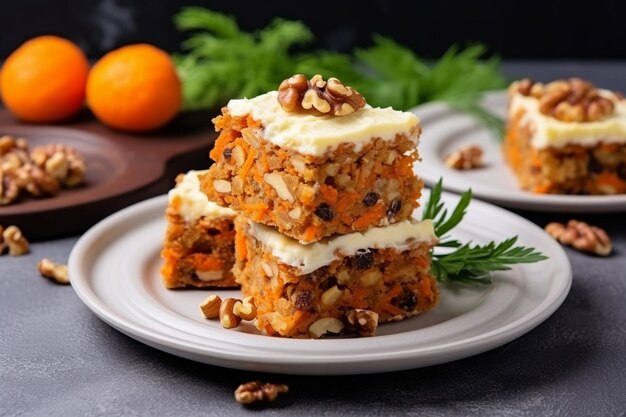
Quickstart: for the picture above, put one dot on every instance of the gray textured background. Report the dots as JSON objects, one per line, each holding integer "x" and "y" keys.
{"x": 58, "y": 359}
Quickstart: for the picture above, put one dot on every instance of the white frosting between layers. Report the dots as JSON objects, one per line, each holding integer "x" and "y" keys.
{"x": 315, "y": 135}
{"x": 191, "y": 203}
{"x": 308, "y": 258}
{"x": 550, "y": 132}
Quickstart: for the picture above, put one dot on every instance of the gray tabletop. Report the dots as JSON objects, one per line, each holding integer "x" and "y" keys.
{"x": 57, "y": 358}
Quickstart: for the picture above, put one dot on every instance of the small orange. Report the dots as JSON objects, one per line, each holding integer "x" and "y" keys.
{"x": 134, "y": 88}
{"x": 44, "y": 79}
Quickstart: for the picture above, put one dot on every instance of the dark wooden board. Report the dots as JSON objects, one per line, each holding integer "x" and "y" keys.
{"x": 122, "y": 169}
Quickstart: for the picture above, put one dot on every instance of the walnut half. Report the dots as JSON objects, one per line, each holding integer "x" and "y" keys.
{"x": 13, "y": 240}
{"x": 54, "y": 271}
{"x": 254, "y": 391}
{"x": 581, "y": 236}
{"x": 318, "y": 97}
{"x": 466, "y": 157}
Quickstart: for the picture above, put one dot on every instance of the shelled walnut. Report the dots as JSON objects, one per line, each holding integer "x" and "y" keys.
{"x": 571, "y": 100}
{"x": 255, "y": 391}
{"x": 581, "y": 236}
{"x": 62, "y": 162}
{"x": 466, "y": 157}
{"x": 363, "y": 321}
{"x": 319, "y": 97}
{"x": 54, "y": 271}
{"x": 13, "y": 240}
{"x": 41, "y": 172}
{"x": 9, "y": 188}
{"x": 36, "y": 181}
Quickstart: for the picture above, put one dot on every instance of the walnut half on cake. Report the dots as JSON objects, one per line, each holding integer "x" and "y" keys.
{"x": 566, "y": 137}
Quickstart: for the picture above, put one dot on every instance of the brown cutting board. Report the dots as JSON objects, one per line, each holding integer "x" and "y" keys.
{"x": 122, "y": 169}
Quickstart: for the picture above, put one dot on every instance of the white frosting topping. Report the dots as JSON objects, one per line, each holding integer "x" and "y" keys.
{"x": 400, "y": 236}
{"x": 315, "y": 135}
{"x": 551, "y": 132}
{"x": 191, "y": 203}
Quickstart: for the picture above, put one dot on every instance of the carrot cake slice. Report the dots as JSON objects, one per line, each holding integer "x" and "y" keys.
{"x": 566, "y": 137}
{"x": 198, "y": 249}
{"x": 344, "y": 284}
{"x": 312, "y": 159}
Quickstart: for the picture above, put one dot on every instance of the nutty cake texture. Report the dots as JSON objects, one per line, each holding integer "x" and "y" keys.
{"x": 314, "y": 174}
{"x": 566, "y": 137}
{"x": 351, "y": 293}
{"x": 198, "y": 247}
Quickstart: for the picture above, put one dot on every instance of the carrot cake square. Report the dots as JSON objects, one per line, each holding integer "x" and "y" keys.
{"x": 323, "y": 164}
{"x": 198, "y": 248}
{"x": 343, "y": 284}
{"x": 566, "y": 137}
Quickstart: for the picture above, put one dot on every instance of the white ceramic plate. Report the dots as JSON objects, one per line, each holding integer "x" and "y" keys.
{"x": 445, "y": 130}
{"x": 114, "y": 269}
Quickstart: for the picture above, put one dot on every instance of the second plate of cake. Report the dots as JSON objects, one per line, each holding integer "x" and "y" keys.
{"x": 446, "y": 130}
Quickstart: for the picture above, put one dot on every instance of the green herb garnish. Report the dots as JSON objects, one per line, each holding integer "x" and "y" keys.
{"x": 222, "y": 62}
{"x": 467, "y": 263}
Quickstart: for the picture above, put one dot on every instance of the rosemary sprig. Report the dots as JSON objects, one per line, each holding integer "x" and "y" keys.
{"x": 472, "y": 263}
{"x": 468, "y": 263}
{"x": 435, "y": 209}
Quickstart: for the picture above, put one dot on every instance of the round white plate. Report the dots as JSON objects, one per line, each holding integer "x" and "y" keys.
{"x": 114, "y": 269}
{"x": 445, "y": 130}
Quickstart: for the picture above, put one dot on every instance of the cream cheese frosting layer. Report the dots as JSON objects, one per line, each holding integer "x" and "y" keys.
{"x": 551, "y": 132}
{"x": 315, "y": 135}
{"x": 400, "y": 236}
{"x": 191, "y": 203}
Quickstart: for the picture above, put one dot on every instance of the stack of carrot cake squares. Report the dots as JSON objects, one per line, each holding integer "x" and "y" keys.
{"x": 324, "y": 190}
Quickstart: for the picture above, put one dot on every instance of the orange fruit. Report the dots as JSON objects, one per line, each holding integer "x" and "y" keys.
{"x": 44, "y": 79}
{"x": 134, "y": 88}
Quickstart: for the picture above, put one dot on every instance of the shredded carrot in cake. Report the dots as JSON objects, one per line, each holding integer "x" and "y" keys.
{"x": 608, "y": 179}
{"x": 225, "y": 137}
{"x": 248, "y": 164}
{"x": 241, "y": 251}
{"x": 310, "y": 232}
{"x": 329, "y": 194}
{"x": 206, "y": 262}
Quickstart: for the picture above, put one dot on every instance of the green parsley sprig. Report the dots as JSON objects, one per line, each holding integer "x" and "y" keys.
{"x": 221, "y": 61}
{"x": 224, "y": 62}
{"x": 469, "y": 263}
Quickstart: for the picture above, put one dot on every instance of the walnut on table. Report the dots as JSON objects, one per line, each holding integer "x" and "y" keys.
{"x": 13, "y": 240}
{"x": 56, "y": 272}
{"x": 255, "y": 391}
{"x": 581, "y": 236}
